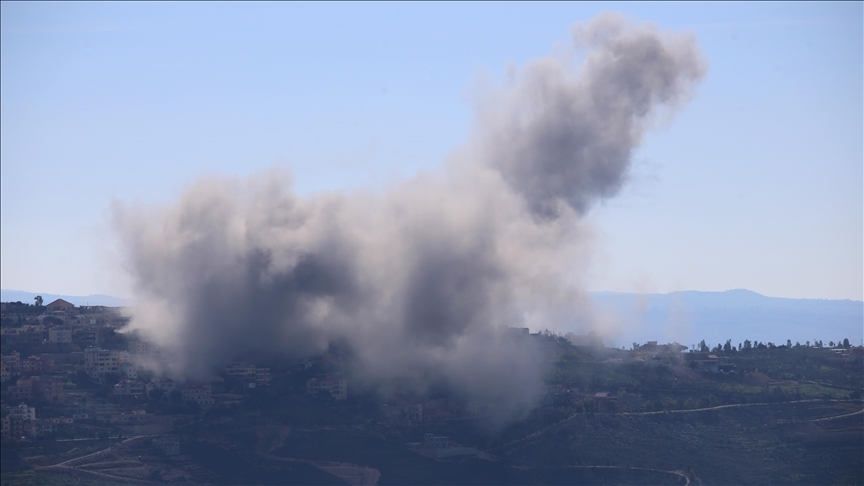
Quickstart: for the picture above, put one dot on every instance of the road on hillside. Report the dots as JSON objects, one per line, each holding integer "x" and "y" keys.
{"x": 693, "y": 410}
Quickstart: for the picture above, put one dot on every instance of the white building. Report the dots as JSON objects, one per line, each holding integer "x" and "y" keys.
{"x": 23, "y": 412}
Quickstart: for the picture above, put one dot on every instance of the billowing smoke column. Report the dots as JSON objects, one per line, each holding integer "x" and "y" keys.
{"x": 422, "y": 276}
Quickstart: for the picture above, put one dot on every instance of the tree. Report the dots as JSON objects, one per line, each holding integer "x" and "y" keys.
{"x": 38, "y": 300}
{"x": 703, "y": 347}
{"x": 728, "y": 346}
{"x": 845, "y": 342}
{"x": 747, "y": 345}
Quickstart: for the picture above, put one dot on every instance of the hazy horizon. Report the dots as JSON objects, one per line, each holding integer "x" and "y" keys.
{"x": 757, "y": 184}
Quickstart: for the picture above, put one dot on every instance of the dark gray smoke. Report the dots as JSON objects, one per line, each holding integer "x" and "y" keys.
{"x": 566, "y": 135}
{"x": 422, "y": 276}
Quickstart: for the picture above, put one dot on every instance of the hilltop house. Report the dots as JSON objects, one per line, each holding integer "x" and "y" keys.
{"x": 59, "y": 305}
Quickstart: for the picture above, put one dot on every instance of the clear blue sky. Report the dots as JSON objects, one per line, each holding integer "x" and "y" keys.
{"x": 756, "y": 184}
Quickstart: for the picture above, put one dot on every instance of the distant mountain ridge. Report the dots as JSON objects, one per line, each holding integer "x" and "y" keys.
{"x": 685, "y": 316}
{"x": 7, "y": 295}
{"x": 690, "y": 316}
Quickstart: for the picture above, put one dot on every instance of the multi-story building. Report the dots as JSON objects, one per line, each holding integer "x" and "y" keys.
{"x": 21, "y": 390}
{"x": 35, "y": 365}
{"x": 164, "y": 384}
{"x": 60, "y": 335}
{"x": 19, "y": 422}
{"x": 12, "y": 362}
{"x": 14, "y": 428}
{"x": 129, "y": 388}
{"x": 48, "y": 389}
{"x": 251, "y": 374}
{"x": 37, "y": 387}
{"x": 168, "y": 444}
{"x": 23, "y": 412}
{"x": 200, "y": 393}
{"x": 50, "y": 425}
{"x": 85, "y": 337}
{"x": 136, "y": 417}
{"x": 398, "y": 411}
{"x": 99, "y": 362}
{"x": 336, "y": 386}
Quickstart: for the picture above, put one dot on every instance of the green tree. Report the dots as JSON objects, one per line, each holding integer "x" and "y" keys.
{"x": 38, "y": 300}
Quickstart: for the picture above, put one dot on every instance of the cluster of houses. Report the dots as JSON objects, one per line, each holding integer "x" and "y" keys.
{"x": 64, "y": 338}
{"x": 20, "y": 421}
{"x": 42, "y": 350}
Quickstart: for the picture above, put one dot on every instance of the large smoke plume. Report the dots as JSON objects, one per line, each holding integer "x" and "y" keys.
{"x": 422, "y": 275}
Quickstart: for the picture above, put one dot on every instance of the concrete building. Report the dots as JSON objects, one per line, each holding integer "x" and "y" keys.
{"x": 338, "y": 387}
{"x": 403, "y": 412}
{"x": 23, "y": 412}
{"x": 60, "y": 305}
{"x": 15, "y": 428}
{"x": 168, "y": 444}
{"x": 250, "y": 374}
{"x": 200, "y": 393}
{"x": 35, "y": 365}
{"x": 12, "y": 362}
{"x": 706, "y": 361}
{"x": 439, "y": 447}
{"x": 164, "y": 384}
{"x": 4, "y": 373}
{"x": 60, "y": 335}
{"x": 99, "y": 362}
{"x": 134, "y": 418}
{"x": 129, "y": 388}
{"x": 37, "y": 387}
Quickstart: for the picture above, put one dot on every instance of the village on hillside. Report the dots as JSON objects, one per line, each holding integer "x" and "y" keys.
{"x": 74, "y": 375}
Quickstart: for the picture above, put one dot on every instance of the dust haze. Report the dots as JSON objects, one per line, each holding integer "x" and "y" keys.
{"x": 422, "y": 275}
